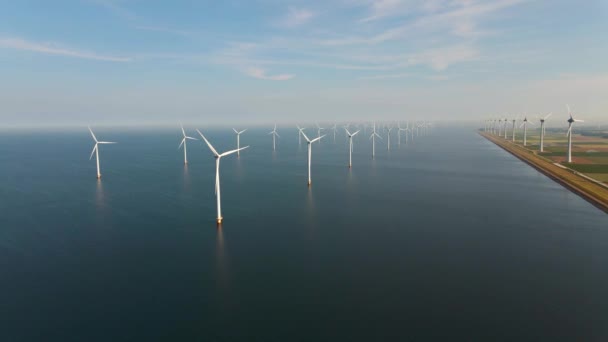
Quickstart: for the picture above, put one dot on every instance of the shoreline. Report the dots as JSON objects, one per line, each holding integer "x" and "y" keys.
{"x": 585, "y": 187}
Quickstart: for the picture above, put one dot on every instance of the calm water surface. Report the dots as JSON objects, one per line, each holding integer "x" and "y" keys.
{"x": 447, "y": 239}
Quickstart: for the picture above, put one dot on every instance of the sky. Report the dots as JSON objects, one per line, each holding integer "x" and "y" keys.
{"x": 71, "y": 62}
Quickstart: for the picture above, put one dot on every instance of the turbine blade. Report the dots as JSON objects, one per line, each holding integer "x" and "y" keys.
{"x": 243, "y": 131}
{"x": 317, "y": 139}
{"x": 90, "y": 130}
{"x": 181, "y": 143}
{"x": 235, "y": 131}
{"x": 94, "y": 148}
{"x": 232, "y": 151}
{"x": 208, "y": 144}
{"x": 106, "y": 142}
{"x": 577, "y": 120}
{"x": 355, "y": 133}
{"x": 183, "y": 132}
{"x": 548, "y": 115}
{"x": 191, "y": 138}
{"x": 305, "y": 137}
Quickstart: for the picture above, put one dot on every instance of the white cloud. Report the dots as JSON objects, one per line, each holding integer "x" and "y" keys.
{"x": 261, "y": 74}
{"x": 296, "y": 17}
{"x": 53, "y": 49}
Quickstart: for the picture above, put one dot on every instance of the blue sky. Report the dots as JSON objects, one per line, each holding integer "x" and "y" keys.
{"x": 136, "y": 61}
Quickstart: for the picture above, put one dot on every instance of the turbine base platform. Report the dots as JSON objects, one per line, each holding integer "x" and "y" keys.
{"x": 219, "y": 220}
{"x": 98, "y": 176}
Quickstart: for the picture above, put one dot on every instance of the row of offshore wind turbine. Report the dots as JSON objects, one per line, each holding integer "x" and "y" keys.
{"x": 409, "y": 131}
{"x": 499, "y": 127}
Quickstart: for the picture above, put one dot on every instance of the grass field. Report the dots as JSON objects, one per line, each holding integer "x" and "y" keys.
{"x": 589, "y": 148}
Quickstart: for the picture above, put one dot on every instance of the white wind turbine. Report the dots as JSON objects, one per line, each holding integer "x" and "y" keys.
{"x": 238, "y": 140}
{"x": 319, "y": 129}
{"x": 274, "y": 135}
{"x": 399, "y": 129}
{"x": 525, "y": 125}
{"x": 183, "y": 142}
{"x": 310, "y": 142}
{"x": 388, "y": 138}
{"x": 506, "y": 122}
{"x": 300, "y": 130}
{"x": 218, "y": 157}
{"x": 513, "y": 129}
{"x": 542, "y": 131}
{"x": 373, "y": 137}
{"x": 571, "y": 120}
{"x": 499, "y": 127}
{"x": 334, "y": 127}
{"x": 350, "y": 147}
{"x": 96, "y": 150}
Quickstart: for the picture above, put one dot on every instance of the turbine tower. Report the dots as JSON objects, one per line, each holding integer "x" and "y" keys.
{"x": 571, "y": 120}
{"x": 218, "y": 157}
{"x": 542, "y": 131}
{"x": 513, "y": 131}
{"x": 350, "y": 147}
{"x": 274, "y": 136}
{"x": 96, "y": 151}
{"x": 506, "y": 121}
{"x": 185, "y": 137}
{"x": 334, "y": 129}
{"x": 310, "y": 142}
{"x": 238, "y": 140}
{"x": 499, "y": 127}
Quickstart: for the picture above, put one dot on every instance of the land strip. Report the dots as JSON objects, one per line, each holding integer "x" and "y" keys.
{"x": 587, "y": 188}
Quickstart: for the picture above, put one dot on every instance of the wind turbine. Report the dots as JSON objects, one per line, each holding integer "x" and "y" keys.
{"x": 185, "y": 137}
{"x": 319, "y": 129}
{"x": 96, "y": 150}
{"x": 238, "y": 140}
{"x": 274, "y": 135}
{"x": 350, "y": 147}
{"x": 399, "y": 129}
{"x": 310, "y": 152}
{"x": 513, "y": 130}
{"x": 506, "y": 121}
{"x": 388, "y": 138}
{"x": 571, "y": 120}
{"x": 373, "y": 137}
{"x": 499, "y": 127}
{"x": 300, "y": 129}
{"x": 542, "y": 131}
{"x": 525, "y": 124}
{"x": 334, "y": 129}
{"x": 218, "y": 157}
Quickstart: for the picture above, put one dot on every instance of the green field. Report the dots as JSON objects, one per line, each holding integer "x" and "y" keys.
{"x": 589, "y": 148}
